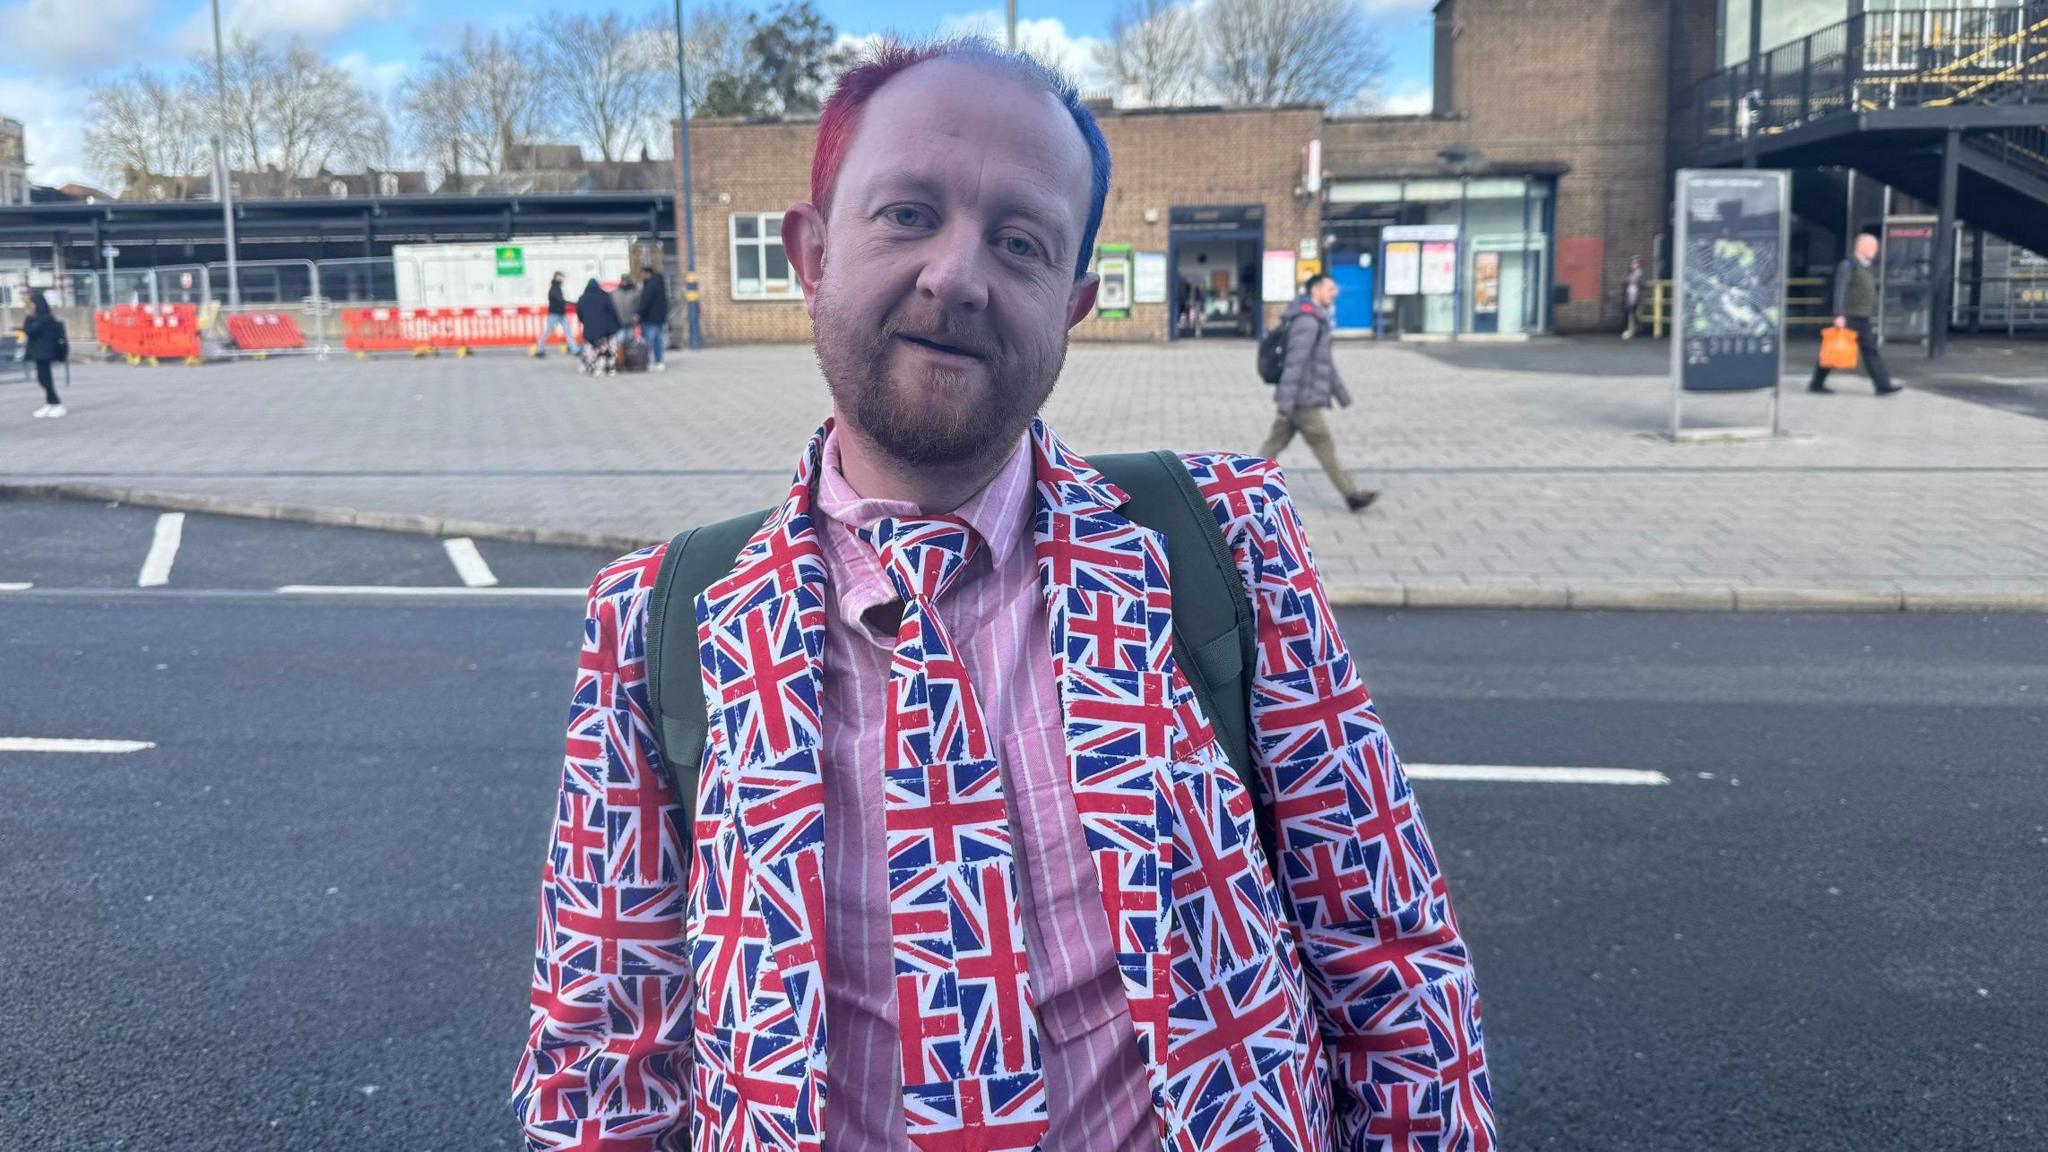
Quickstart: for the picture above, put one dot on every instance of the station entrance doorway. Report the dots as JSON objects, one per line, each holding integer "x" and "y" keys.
{"x": 1213, "y": 255}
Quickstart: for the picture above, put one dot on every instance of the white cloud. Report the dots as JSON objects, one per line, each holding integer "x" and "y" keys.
{"x": 53, "y": 125}
{"x": 62, "y": 37}
{"x": 1414, "y": 100}
{"x": 1047, "y": 39}
{"x": 314, "y": 21}
{"x": 380, "y": 78}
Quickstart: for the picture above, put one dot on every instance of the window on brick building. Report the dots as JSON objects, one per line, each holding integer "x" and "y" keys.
{"x": 760, "y": 267}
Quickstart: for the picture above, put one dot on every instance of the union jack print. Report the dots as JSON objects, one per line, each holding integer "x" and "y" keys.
{"x": 1320, "y": 1001}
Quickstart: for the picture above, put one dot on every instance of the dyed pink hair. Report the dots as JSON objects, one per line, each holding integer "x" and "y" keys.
{"x": 840, "y": 118}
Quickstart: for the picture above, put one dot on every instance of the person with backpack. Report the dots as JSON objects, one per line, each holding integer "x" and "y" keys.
{"x": 44, "y": 342}
{"x": 1295, "y": 357}
{"x": 921, "y": 809}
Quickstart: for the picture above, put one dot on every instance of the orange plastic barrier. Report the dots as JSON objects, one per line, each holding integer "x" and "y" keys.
{"x": 149, "y": 331}
{"x": 265, "y": 331}
{"x": 420, "y": 330}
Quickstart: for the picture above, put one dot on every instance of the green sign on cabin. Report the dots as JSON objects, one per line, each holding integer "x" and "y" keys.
{"x": 511, "y": 260}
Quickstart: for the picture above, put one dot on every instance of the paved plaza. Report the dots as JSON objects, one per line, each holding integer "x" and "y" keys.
{"x": 1528, "y": 474}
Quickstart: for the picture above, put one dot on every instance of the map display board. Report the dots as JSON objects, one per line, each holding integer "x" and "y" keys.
{"x": 1730, "y": 280}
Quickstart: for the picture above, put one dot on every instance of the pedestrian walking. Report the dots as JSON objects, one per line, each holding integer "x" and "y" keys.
{"x": 940, "y": 838}
{"x": 558, "y": 319}
{"x": 44, "y": 343}
{"x": 1308, "y": 383}
{"x": 600, "y": 321}
{"x": 1855, "y": 299}
{"x": 653, "y": 309}
{"x": 1632, "y": 296}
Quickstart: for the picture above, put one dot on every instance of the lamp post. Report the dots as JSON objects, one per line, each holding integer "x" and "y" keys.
{"x": 223, "y": 188}
{"x": 1010, "y": 10}
{"x": 689, "y": 227}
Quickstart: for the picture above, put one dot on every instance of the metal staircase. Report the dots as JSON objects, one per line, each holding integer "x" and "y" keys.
{"x": 1947, "y": 104}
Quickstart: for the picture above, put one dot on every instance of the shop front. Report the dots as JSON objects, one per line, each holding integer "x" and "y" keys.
{"x": 1214, "y": 270}
{"x": 1450, "y": 257}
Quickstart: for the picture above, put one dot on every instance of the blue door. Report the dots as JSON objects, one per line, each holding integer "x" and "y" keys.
{"x": 1354, "y": 292}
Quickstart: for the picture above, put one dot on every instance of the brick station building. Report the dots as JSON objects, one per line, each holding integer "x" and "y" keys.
{"x": 1511, "y": 208}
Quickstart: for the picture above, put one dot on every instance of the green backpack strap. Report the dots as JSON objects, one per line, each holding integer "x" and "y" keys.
{"x": 1214, "y": 636}
{"x": 696, "y": 559}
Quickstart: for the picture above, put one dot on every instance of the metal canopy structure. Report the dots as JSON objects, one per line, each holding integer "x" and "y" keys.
{"x": 372, "y": 223}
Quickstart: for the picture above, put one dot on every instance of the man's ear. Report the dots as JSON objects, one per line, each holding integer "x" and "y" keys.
{"x": 1081, "y": 301}
{"x": 803, "y": 241}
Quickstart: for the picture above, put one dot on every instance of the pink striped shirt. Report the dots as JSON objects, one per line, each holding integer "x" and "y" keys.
{"x": 1097, "y": 1089}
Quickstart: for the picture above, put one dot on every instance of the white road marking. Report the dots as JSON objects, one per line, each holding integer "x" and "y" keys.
{"x": 163, "y": 551}
{"x": 411, "y": 590}
{"x": 16, "y": 586}
{"x": 46, "y": 744}
{"x": 469, "y": 563}
{"x": 1517, "y": 774}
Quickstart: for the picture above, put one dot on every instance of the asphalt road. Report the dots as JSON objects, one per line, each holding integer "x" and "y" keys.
{"x": 303, "y": 920}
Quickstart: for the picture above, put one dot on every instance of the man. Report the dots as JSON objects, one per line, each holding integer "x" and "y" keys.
{"x": 654, "y": 314}
{"x": 558, "y": 319}
{"x": 1632, "y": 296}
{"x": 1307, "y": 385}
{"x": 884, "y": 815}
{"x": 1855, "y": 304}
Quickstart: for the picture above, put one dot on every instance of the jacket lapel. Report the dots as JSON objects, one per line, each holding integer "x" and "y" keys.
{"x": 1110, "y": 624}
{"x": 761, "y": 635}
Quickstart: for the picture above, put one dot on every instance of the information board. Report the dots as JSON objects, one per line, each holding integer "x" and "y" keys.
{"x": 1729, "y": 303}
{"x": 1404, "y": 268}
{"x": 1148, "y": 278}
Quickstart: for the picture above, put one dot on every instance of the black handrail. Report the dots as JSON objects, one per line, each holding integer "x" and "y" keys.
{"x": 1908, "y": 58}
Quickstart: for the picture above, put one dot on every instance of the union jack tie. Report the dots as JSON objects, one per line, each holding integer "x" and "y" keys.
{"x": 972, "y": 1074}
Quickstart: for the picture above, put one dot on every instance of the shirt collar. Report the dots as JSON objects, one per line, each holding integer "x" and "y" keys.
{"x": 1000, "y": 512}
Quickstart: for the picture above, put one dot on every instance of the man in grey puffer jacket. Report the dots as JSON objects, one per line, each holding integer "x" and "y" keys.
{"x": 1308, "y": 384}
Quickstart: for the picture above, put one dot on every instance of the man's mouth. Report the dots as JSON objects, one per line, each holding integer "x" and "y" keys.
{"x": 939, "y": 346}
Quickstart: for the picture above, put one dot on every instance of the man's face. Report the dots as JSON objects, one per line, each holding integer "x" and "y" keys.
{"x": 1866, "y": 248}
{"x": 943, "y": 285}
{"x": 1324, "y": 293}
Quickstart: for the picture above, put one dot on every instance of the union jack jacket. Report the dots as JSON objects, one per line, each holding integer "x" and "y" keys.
{"x": 1321, "y": 1001}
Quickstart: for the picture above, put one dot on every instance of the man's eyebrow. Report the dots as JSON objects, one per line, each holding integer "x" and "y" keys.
{"x": 901, "y": 183}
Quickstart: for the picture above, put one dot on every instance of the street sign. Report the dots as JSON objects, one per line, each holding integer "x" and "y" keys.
{"x": 1729, "y": 285}
{"x": 110, "y": 251}
{"x": 511, "y": 260}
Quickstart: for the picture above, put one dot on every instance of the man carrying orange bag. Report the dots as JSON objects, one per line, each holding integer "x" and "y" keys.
{"x": 1855, "y": 303}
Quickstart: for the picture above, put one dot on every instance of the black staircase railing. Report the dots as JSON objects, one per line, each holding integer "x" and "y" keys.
{"x": 1919, "y": 58}
{"x": 2023, "y": 148}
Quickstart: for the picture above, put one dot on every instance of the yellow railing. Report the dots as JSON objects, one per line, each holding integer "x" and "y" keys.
{"x": 1806, "y": 303}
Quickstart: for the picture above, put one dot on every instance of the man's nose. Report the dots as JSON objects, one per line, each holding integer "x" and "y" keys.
{"x": 953, "y": 273}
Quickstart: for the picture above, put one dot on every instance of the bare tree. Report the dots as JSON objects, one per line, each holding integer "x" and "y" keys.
{"x": 141, "y": 124}
{"x": 235, "y": 106}
{"x": 313, "y": 115}
{"x": 505, "y": 107}
{"x": 714, "y": 45}
{"x": 1154, "y": 51}
{"x": 433, "y": 109}
{"x": 603, "y": 73}
{"x": 1265, "y": 52}
{"x": 286, "y": 108}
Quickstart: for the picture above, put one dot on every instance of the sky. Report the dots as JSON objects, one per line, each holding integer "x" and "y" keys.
{"x": 60, "y": 52}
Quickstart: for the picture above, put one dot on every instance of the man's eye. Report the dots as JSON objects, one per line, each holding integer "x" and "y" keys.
{"x": 906, "y": 216}
{"x": 1019, "y": 246}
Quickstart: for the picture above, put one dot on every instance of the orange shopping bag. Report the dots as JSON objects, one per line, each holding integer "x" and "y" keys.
{"x": 1838, "y": 349}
